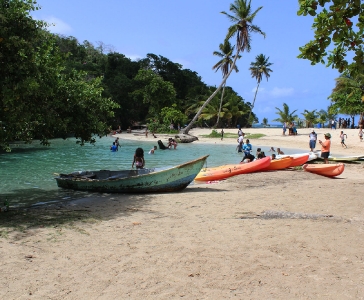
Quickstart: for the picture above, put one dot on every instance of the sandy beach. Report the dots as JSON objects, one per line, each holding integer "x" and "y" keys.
{"x": 275, "y": 235}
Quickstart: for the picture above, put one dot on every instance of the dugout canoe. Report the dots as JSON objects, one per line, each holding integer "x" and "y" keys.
{"x": 133, "y": 181}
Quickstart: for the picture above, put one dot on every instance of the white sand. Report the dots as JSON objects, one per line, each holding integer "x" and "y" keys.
{"x": 211, "y": 241}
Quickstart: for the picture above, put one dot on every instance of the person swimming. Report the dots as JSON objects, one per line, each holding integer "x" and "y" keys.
{"x": 151, "y": 151}
{"x": 279, "y": 151}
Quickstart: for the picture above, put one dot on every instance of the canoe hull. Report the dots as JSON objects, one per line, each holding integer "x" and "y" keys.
{"x": 329, "y": 170}
{"x": 227, "y": 171}
{"x": 136, "y": 181}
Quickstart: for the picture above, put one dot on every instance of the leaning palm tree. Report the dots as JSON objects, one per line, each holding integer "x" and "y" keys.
{"x": 285, "y": 115}
{"x": 242, "y": 17}
{"x": 258, "y": 68}
{"x": 224, "y": 65}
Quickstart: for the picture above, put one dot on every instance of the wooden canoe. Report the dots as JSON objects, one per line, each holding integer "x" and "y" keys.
{"x": 222, "y": 172}
{"x": 329, "y": 170}
{"x": 279, "y": 164}
{"x": 133, "y": 181}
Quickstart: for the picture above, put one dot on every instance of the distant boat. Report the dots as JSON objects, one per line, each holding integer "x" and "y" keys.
{"x": 133, "y": 181}
{"x": 329, "y": 170}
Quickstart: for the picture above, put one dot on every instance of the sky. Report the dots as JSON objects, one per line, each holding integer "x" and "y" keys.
{"x": 189, "y": 31}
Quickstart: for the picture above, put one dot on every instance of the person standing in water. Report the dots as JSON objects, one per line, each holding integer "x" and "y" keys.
{"x": 138, "y": 159}
{"x": 325, "y": 147}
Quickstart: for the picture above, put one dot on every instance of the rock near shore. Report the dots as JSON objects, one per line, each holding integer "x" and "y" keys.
{"x": 185, "y": 138}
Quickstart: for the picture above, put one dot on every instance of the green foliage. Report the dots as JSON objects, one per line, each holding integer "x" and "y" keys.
{"x": 153, "y": 90}
{"x": 339, "y": 23}
{"x": 348, "y": 94}
{"x": 285, "y": 115}
{"x": 311, "y": 117}
{"x": 38, "y": 98}
{"x": 258, "y": 68}
{"x": 254, "y": 136}
{"x": 172, "y": 115}
{"x": 213, "y": 134}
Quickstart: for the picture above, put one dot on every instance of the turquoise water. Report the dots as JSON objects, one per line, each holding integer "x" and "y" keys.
{"x": 27, "y": 173}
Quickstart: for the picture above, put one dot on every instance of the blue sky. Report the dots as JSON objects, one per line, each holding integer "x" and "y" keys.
{"x": 188, "y": 32}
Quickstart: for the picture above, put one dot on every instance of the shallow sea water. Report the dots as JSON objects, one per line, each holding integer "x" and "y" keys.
{"x": 27, "y": 173}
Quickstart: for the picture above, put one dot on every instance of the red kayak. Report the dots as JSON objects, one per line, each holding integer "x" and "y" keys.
{"x": 329, "y": 170}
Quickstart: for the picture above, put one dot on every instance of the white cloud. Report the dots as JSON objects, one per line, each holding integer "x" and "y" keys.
{"x": 133, "y": 57}
{"x": 275, "y": 92}
{"x": 281, "y": 92}
{"x": 56, "y": 25}
{"x": 185, "y": 64}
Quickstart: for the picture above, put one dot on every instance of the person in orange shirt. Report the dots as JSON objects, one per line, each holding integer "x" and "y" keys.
{"x": 325, "y": 147}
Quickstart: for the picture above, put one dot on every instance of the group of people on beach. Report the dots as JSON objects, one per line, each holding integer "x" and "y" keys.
{"x": 246, "y": 147}
{"x": 292, "y": 129}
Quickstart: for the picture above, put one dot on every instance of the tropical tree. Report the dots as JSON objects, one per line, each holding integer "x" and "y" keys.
{"x": 258, "y": 68}
{"x": 311, "y": 117}
{"x": 154, "y": 91}
{"x": 224, "y": 65}
{"x": 38, "y": 98}
{"x": 348, "y": 95}
{"x": 322, "y": 117}
{"x": 337, "y": 22}
{"x": 285, "y": 115}
{"x": 242, "y": 16}
{"x": 265, "y": 122}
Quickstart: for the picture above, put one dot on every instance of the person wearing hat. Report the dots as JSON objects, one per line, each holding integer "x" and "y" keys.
{"x": 313, "y": 139}
{"x": 325, "y": 147}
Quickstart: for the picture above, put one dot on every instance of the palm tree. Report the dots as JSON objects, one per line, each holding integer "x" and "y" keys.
{"x": 242, "y": 18}
{"x": 257, "y": 69}
{"x": 265, "y": 122}
{"x": 323, "y": 117}
{"x": 224, "y": 65}
{"x": 310, "y": 117}
{"x": 285, "y": 115}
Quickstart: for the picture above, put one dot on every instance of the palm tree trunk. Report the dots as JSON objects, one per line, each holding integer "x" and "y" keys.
{"x": 189, "y": 126}
{"x": 222, "y": 96}
{"x": 255, "y": 96}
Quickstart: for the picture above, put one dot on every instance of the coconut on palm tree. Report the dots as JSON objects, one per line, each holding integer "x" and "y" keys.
{"x": 242, "y": 16}
{"x": 258, "y": 69}
{"x": 224, "y": 65}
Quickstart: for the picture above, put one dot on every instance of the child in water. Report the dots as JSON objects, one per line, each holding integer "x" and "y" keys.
{"x": 138, "y": 159}
{"x": 151, "y": 151}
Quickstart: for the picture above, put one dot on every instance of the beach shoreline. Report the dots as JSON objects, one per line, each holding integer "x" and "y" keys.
{"x": 272, "y": 138}
{"x": 286, "y": 234}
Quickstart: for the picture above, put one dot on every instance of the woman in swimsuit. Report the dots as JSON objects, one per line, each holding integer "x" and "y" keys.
{"x": 138, "y": 159}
